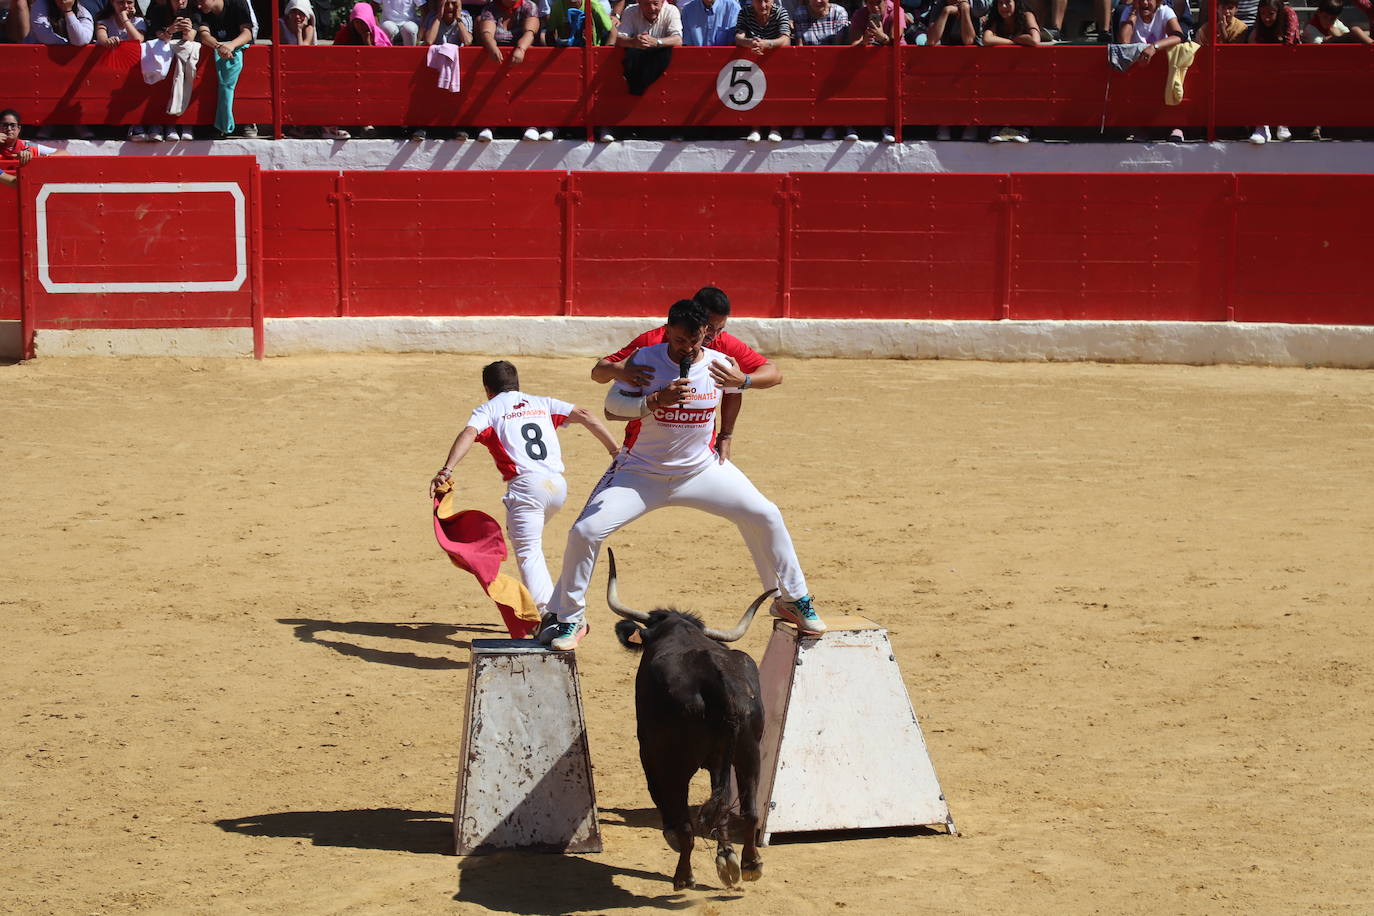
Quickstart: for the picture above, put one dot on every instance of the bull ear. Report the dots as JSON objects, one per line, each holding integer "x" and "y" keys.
{"x": 637, "y": 637}
{"x": 743, "y": 626}
{"x": 613, "y": 596}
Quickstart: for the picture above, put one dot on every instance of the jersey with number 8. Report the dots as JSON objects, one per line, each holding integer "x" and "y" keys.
{"x": 518, "y": 430}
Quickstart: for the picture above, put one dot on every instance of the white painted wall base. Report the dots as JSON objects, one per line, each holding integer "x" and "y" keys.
{"x": 143, "y": 342}
{"x": 1180, "y": 342}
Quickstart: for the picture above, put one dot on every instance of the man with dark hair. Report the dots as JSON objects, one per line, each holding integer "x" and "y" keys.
{"x": 15, "y": 152}
{"x": 1325, "y": 26}
{"x": 671, "y": 463}
{"x": 519, "y": 431}
{"x": 742, "y": 368}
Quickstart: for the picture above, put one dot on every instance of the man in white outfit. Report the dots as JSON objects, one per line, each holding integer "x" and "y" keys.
{"x": 519, "y": 431}
{"x": 672, "y": 463}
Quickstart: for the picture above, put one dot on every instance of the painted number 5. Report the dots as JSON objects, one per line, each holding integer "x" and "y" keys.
{"x": 741, "y": 85}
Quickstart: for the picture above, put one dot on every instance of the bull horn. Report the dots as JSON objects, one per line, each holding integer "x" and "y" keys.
{"x": 613, "y": 599}
{"x": 743, "y": 626}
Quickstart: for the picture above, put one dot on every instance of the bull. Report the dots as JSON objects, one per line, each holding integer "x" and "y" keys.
{"x": 699, "y": 706}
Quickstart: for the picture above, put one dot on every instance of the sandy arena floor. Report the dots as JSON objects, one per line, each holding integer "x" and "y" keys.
{"x": 1131, "y": 603}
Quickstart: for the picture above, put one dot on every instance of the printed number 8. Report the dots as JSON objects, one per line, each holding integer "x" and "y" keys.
{"x": 534, "y": 441}
{"x": 736, "y": 80}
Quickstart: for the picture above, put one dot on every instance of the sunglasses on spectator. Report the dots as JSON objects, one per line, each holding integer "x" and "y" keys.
{"x": 9, "y": 125}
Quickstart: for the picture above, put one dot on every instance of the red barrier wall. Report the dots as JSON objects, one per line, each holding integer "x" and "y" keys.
{"x": 10, "y": 240}
{"x": 120, "y": 243}
{"x": 1070, "y": 86}
{"x": 1138, "y": 247}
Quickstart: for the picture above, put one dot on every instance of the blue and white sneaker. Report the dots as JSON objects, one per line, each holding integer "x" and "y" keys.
{"x": 566, "y": 636}
{"x": 799, "y": 612}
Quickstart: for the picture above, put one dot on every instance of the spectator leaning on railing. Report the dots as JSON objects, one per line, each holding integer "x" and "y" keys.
{"x": 567, "y": 28}
{"x": 226, "y": 27}
{"x": 401, "y": 22}
{"x": 60, "y": 22}
{"x": 119, "y": 22}
{"x": 762, "y": 26}
{"x": 709, "y": 23}
{"x": 15, "y": 152}
{"x": 817, "y": 23}
{"x": 510, "y": 24}
{"x": 1275, "y": 23}
{"x": 876, "y": 24}
{"x": 1008, "y": 25}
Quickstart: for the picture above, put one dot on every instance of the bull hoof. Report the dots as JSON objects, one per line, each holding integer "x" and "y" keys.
{"x": 727, "y": 867}
{"x": 753, "y": 871}
{"x": 684, "y": 884}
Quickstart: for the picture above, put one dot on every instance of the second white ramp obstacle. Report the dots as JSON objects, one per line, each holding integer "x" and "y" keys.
{"x": 842, "y": 748}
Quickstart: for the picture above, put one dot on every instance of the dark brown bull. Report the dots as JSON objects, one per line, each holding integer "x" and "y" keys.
{"x": 698, "y": 706}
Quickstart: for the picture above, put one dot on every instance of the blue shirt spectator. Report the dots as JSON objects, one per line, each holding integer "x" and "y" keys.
{"x": 709, "y": 24}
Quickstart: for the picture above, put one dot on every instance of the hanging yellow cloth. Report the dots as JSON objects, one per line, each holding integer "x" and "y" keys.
{"x": 1180, "y": 59}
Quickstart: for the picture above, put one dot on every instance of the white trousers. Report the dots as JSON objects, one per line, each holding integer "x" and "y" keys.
{"x": 531, "y": 500}
{"x": 720, "y": 489}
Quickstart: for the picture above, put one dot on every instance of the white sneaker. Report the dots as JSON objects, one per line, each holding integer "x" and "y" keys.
{"x": 1258, "y": 137}
{"x": 752, "y": 137}
{"x": 1020, "y": 136}
{"x": 1282, "y": 133}
{"x": 419, "y": 135}
{"x": 546, "y": 134}
{"x": 155, "y": 133}
{"x": 798, "y": 133}
{"x": 484, "y": 135}
{"x": 851, "y": 135}
{"x": 1002, "y": 135}
{"x": 774, "y": 136}
{"x": 889, "y": 136}
{"x": 607, "y": 137}
{"x": 530, "y": 134}
{"x": 828, "y": 134}
{"x": 136, "y": 134}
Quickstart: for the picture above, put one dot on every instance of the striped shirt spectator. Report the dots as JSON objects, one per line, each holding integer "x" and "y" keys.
{"x": 762, "y": 19}
{"x": 820, "y": 22}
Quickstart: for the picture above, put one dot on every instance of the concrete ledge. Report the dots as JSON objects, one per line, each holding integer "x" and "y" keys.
{"x": 921, "y": 156}
{"x": 1190, "y": 343}
{"x": 144, "y": 342}
{"x": 1194, "y": 343}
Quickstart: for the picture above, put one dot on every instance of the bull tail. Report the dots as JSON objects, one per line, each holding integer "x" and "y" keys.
{"x": 713, "y": 813}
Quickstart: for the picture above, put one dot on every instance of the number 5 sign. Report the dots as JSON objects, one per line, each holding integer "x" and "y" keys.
{"x": 741, "y": 85}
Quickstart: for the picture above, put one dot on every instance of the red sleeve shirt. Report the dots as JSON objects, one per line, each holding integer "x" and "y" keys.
{"x": 749, "y": 360}
{"x": 647, "y": 339}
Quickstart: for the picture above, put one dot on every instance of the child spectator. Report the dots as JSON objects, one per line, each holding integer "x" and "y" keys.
{"x": 1154, "y": 25}
{"x": 709, "y": 23}
{"x": 877, "y": 23}
{"x": 510, "y": 24}
{"x": 1232, "y": 28}
{"x": 1325, "y": 26}
{"x": 401, "y": 22}
{"x": 119, "y": 22}
{"x": 1008, "y": 25}
{"x": 444, "y": 22}
{"x": 15, "y": 152}
{"x": 762, "y": 26}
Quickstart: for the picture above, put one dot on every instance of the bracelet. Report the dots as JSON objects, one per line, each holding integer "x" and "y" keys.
{"x": 444, "y": 472}
{"x": 748, "y": 380}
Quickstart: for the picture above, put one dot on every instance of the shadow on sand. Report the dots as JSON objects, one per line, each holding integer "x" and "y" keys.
{"x": 438, "y": 634}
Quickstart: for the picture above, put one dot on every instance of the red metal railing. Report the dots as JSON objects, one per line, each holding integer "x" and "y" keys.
{"x": 1070, "y": 86}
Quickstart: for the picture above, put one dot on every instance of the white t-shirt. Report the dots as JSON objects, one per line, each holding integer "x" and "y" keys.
{"x": 676, "y": 440}
{"x": 1313, "y": 36}
{"x": 1157, "y": 29}
{"x": 668, "y": 23}
{"x": 518, "y": 430}
{"x": 115, "y": 30}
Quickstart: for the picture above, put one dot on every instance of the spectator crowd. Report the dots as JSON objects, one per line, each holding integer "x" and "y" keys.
{"x": 171, "y": 35}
